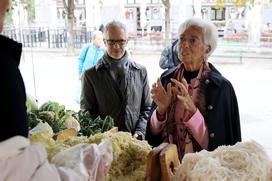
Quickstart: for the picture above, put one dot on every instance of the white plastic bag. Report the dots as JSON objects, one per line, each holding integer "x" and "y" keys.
{"x": 90, "y": 161}
{"x": 41, "y": 127}
{"x": 106, "y": 158}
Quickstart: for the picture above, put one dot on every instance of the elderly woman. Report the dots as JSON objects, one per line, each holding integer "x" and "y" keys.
{"x": 194, "y": 106}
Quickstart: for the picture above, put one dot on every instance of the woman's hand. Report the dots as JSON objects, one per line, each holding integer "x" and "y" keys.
{"x": 161, "y": 97}
{"x": 181, "y": 90}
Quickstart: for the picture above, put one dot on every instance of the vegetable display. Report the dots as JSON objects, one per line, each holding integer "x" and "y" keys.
{"x": 51, "y": 120}
{"x": 129, "y": 154}
{"x": 60, "y": 119}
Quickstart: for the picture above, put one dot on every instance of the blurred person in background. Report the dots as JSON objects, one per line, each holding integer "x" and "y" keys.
{"x": 101, "y": 28}
{"x": 117, "y": 86}
{"x": 169, "y": 56}
{"x": 89, "y": 56}
{"x": 194, "y": 106}
{"x": 91, "y": 53}
{"x": 12, "y": 92}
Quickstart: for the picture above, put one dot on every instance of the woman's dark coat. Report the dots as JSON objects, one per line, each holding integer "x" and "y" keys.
{"x": 222, "y": 113}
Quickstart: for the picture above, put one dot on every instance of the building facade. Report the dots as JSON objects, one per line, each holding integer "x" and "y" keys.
{"x": 147, "y": 15}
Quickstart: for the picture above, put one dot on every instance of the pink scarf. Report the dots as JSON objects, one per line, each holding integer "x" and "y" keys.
{"x": 170, "y": 133}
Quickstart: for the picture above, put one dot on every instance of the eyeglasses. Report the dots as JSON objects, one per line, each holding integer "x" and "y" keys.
{"x": 113, "y": 42}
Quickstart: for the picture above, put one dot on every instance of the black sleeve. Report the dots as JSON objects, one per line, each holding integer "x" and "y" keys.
{"x": 13, "y": 99}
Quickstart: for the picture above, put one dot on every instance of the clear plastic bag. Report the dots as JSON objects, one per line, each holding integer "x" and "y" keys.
{"x": 41, "y": 127}
{"x": 90, "y": 161}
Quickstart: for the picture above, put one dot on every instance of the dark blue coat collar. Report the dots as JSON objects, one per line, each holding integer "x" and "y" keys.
{"x": 215, "y": 76}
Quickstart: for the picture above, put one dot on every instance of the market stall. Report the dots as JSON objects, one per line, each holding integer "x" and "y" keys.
{"x": 129, "y": 159}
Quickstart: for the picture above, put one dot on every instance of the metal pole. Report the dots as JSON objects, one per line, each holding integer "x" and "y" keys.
{"x": 31, "y": 52}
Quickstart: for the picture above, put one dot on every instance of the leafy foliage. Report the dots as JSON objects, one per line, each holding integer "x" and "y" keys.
{"x": 28, "y": 5}
{"x": 92, "y": 127}
{"x": 33, "y": 120}
{"x": 236, "y": 3}
{"x": 55, "y": 115}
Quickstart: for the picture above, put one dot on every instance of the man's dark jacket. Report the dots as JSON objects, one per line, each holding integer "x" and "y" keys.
{"x": 12, "y": 91}
{"x": 101, "y": 96}
{"x": 222, "y": 113}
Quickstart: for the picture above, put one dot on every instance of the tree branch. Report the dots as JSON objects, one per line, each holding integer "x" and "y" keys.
{"x": 164, "y": 3}
{"x": 65, "y": 5}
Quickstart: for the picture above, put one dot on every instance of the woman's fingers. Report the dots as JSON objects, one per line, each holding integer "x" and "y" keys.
{"x": 169, "y": 89}
{"x": 184, "y": 82}
{"x": 176, "y": 91}
{"x": 159, "y": 84}
{"x": 157, "y": 90}
{"x": 180, "y": 88}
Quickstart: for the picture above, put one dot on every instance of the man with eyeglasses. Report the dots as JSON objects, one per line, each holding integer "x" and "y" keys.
{"x": 117, "y": 86}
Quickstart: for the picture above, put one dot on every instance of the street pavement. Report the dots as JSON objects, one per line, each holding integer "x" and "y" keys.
{"x": 56, "y": 79}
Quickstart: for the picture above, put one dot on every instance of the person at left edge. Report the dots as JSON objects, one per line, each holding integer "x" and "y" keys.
{"x": 12, "y": 92}
{"x": 117, "y": 86}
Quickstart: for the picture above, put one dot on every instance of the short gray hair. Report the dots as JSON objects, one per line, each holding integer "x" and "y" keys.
{"x": 208, "y": 29}
{"x": 95, "y": 34}
{"x": 116, "y": 24}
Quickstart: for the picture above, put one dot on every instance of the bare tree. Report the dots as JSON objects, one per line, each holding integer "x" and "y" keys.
{"x": 69, "y": 6}
{"x": 167, "y": 5}
{"x": 28, "y": 5}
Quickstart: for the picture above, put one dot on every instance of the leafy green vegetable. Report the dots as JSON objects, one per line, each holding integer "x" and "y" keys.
{"x": 32, "y": 120}
{"x": 31, "y": 103}
{"x": 91, "y": 127}
{"x": 56, "y": 116}
{"x": 52, "y": 119}
{"x": 55, "y": 107}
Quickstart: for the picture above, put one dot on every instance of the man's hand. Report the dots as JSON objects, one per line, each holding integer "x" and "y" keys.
{"x": 139, "y": 136}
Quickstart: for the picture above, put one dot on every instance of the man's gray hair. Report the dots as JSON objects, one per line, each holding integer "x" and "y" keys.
{"x": 208, "y": 29}
{"x": 95, "y": 34}
{"x": 115, "y": 24}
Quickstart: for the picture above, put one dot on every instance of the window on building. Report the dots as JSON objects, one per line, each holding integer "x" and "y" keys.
{"x": 78, "y": 2}
{"x": 59, "y": 2}
{"x": 155, "y": 14}
{"x": 234, "y": 14}
{"x": 155, "y": 1}
{"x": 61, "y": 14}
{"x": 82, "y": 2}
{"x": 80, "y": 14}
{"x": 130, "y": 14}
{"x": 130, "y": 1}
{"x": 141, "y": 1}
{"x": 218, "y": 14}
{"x": 204, "y": 13}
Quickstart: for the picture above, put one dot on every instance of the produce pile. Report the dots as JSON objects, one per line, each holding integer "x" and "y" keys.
{"x": 59, "y": 119}
{"x": 129, "y": 154}
{"x": 242, "y": 161}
